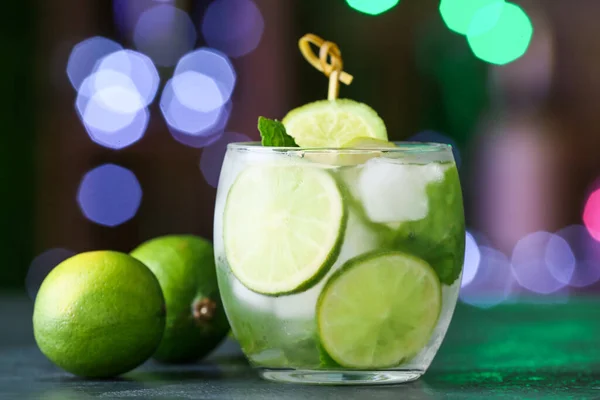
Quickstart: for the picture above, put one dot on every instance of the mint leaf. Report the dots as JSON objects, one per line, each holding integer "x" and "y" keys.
{"x": 273, "y": 134}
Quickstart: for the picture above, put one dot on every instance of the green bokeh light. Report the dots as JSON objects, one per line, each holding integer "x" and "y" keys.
{"x": 500, "y": 34}
{"x": 372, "y": 7}
{"x": 458, "y": 14}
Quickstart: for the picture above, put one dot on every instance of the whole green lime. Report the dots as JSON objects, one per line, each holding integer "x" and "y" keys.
{"x": 196, "y": 321}
{"x": 99, "y": 314}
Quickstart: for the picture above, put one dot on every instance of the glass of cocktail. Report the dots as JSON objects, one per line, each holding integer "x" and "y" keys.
{"x": 338, "y": 253}
{"x": 339, "y": 265}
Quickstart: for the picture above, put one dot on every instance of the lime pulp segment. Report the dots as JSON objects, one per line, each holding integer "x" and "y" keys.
{"x": 333, "y": 123}
{"x": 282, "y": 227}
{"x": 378, "y": 309}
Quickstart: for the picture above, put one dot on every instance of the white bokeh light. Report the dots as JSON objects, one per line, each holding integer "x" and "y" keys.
{"x": 234, "y": 27}
{"x": 189, "y": 126}
{"x": 109, "y": 102}
{"x": 95, "y": 112}
{"x": 197, "y": 91}
{"x": 137, "y": 67}
{"x": 85, "y": 55}
{"x": 210, "y": 68}
{"x": 165, "y": 33}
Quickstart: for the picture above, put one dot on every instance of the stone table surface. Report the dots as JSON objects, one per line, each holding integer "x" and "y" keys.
{"x": 514, "y": 351}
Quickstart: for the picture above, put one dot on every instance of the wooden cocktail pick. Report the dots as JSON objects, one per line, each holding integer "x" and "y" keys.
{"x": 329, "y": 62}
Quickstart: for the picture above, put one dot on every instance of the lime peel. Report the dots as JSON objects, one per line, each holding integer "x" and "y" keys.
{"x": 378, "y": 309}
{"x": 283, "y": 227}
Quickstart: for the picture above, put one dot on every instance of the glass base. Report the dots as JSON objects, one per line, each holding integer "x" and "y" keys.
{"x": 317, "y": 377}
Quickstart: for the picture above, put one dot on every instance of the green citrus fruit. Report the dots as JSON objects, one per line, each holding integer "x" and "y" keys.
{"x": 99, "y": 314}
{"x": 196, "y": 321}
{"x": 333, "y": 123}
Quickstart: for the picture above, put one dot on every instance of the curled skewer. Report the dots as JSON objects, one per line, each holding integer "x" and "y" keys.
{"x": 329, "y": 61}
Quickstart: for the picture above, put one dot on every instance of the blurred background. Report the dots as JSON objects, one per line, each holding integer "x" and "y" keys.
{"x": 116, "y": 115}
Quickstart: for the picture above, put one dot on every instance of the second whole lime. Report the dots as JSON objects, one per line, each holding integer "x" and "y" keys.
{"x": 185, "y": 268}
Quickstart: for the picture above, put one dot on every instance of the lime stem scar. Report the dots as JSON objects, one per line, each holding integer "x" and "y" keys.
{"x": 204, "y": 310}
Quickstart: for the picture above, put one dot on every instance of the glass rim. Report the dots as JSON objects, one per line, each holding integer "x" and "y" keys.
{"x": 401, "y": 147}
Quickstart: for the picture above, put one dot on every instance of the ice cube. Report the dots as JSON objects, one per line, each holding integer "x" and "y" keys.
{"x": 392, "y": 192}
{"x": 359, "y": 238}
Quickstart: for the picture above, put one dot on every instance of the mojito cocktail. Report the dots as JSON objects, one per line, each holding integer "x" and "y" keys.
{"x": 338, "y": 253}
{"x": 339, "y": 265}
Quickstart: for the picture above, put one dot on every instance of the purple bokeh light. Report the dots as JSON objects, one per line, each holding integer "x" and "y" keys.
{"x": 206, "y": 136}
{"x": 436, "y": 137}
{"x": 126, "y": 14}
{"x": 212, "y": 157}
{"x": 493, "y": 281}
{"x": 472, "y": 260}
{"x": 164, "y": 33}
{"x": 41, "y": 266}
{"x": 109, "y": 195}
{"x": 587, "y": 255}
{"x": 211, "y": 69}
{"x": 234, "y": 27}
{"x": 560, "y": 259}
{"x": 136, "y": 66}
{"x": 85, "y": 55}
{"x": 197, "y": 91}
{"x": 530, "y": 263}
{"x": 191, "y": 127}
{"x": 111, "y": 109}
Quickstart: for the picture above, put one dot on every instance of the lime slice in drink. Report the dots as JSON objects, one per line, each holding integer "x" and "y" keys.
{"x": 356, "y": 158}
{"x": 282, "y": 227}
{"x": 333, "y": 123}
{"x": 378, "y": 309}
{"x": 367, "y": 143}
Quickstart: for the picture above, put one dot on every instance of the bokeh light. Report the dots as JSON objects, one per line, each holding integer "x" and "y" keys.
{"x": 493, "y": 281}
{"x": 500, "y": 37}
{"x": 191, "y": 127}
{"x": 436, "y": 137}
{"x": 458, "y": 14}
{"x": 560, "y": 259}
{"x": 207, "y": 136}
{"x": 591, "y": 214}
{"x": 126, "y": 14}
{"x": 472, "y": 260}
{"x": 41, "y": 266}
{"x": 234, "y": 27}
{"x": 207, "y": 70}
{"x": 212, "y": 156}
{"x": 112, "y": 100}
{"x": 85, "y": 55}
{"x": 587, "y": 255}
{"x": 532, "y": 262}
{"x": 165, "y": 33}
{"x": 372, "y": 7}
{"x": 137, "y": 67}
{"x": 109, "y": 195}
{"x": 111, "y": 109}
{"x": 197, "y": 91}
